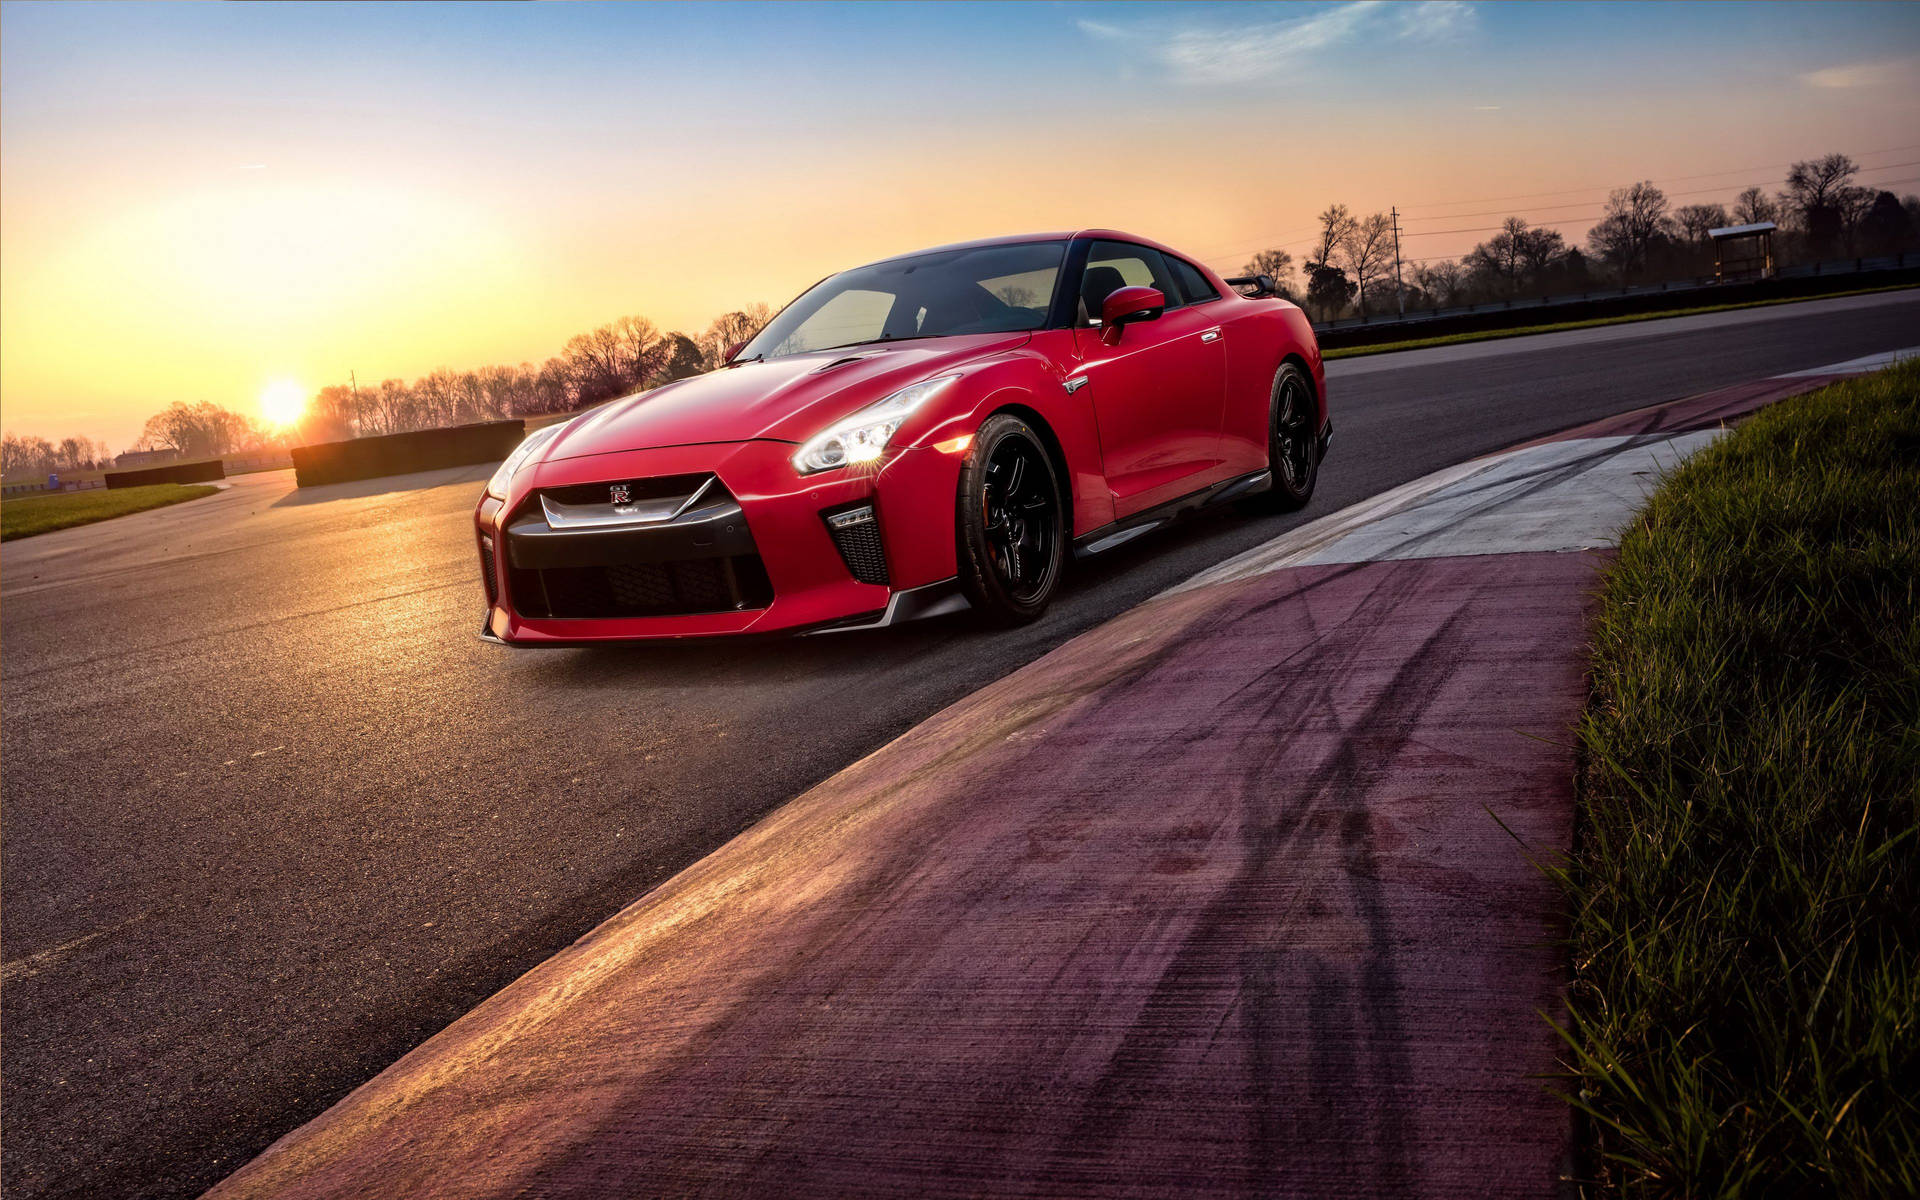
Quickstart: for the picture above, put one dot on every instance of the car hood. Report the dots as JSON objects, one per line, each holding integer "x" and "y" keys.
{"x": 786, "y": 399}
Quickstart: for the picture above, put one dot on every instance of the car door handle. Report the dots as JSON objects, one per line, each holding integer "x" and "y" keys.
{"x": 1211, "y": 335}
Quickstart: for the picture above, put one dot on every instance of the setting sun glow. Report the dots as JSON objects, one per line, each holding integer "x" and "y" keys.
{"x": 283, "y": 402}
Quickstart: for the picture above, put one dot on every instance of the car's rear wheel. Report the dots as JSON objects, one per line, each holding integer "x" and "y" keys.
{"x": 1293, "y": 444}
{"x": 1011, "y": 519}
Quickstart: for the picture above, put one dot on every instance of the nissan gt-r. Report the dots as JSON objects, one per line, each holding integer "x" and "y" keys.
{"x": 933, "y": 433}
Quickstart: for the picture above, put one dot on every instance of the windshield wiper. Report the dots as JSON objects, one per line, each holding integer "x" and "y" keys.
{"x": 885, "y": 337}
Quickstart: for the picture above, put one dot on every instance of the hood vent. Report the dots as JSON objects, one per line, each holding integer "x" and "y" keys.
{"x": 840, "y": 362}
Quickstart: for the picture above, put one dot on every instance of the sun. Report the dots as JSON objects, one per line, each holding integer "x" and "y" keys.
{"x": 283, "y": 402}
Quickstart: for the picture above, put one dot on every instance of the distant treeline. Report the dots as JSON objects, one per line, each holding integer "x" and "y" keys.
{"x": 37, "y": 456}
{"x": 1641, "y": 238}
{"x": 618, "y": 358}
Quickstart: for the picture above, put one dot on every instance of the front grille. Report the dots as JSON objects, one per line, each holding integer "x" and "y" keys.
{"x": 663, "y": 589}
{"x": 487, "y": 572}
{"x": 653, "y": 488}
{"x": 857, "y": 535}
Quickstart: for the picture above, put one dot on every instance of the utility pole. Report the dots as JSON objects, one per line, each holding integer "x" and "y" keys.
{"x": 359, "y": 421}
{"x": 1399, "y": 292}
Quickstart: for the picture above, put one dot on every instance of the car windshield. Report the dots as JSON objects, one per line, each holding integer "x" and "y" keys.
{"x": 989, "y": 289}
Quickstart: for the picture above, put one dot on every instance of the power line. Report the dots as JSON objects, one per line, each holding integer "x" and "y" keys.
{"x": 1879, "y": 184}
{"x": 1598, "y": 187}
{"x": 1293, "y": 241}
{"x": 1687, "y": 192}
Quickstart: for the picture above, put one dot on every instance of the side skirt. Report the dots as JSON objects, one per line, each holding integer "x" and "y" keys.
{"x": 1119, "y": 533}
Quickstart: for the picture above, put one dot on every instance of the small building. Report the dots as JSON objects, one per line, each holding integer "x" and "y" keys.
{"x": 1743, "y": 251}
{"x": 143, "y": 458}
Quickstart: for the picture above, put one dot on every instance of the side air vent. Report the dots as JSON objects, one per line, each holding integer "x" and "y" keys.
{"x": 856, "y": 533}
{"x": 487, "y": 571}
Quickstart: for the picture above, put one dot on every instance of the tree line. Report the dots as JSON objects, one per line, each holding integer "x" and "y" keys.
{"x": 24, "y": 455}
{"x": 1641, "y": 237}
{"x": 616, "y": 359}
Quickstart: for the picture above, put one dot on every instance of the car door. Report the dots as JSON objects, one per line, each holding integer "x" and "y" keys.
{"x": 1159, "y": 393}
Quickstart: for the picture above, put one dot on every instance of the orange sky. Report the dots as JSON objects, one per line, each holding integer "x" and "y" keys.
{"x": 196, "y": 202}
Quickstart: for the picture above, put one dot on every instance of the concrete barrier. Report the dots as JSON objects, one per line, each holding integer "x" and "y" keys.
{"x": 401, "y": 453}
{"x": 192, "y": 472}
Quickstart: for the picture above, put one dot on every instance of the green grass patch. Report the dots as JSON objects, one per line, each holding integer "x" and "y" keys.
{"x": 1529, "y": 330}
{"x": 25, "y": 516}
{"x": 1746, "y": 880}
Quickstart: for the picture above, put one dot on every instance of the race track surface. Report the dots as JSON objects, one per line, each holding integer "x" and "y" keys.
{"x": 273, "y": 815}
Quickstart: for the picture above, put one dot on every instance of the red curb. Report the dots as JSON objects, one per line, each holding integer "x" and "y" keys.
{"x": 1708, "y": 410}
{"x": 1210, "y": 901}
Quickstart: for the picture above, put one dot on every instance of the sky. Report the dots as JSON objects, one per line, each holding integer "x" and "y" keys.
{"x": 200, "y": 201}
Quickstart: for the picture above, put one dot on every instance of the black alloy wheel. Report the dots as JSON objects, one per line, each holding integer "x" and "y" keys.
{"x": 1012, "y": 522}
{"x": 1293, "y": 446}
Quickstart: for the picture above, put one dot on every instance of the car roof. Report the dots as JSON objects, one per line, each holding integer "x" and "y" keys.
{"x": 1014, "y": 239}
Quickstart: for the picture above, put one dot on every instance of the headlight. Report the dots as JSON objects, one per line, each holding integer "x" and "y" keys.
{"x": 861, "y": 437}
{"x": 497, "y": 486}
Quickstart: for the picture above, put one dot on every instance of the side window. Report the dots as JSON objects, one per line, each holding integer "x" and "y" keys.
{"x": 1193, "y": 282}
{"x": 1114, "y": 265}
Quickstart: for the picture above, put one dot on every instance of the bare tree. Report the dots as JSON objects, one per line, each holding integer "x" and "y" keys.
{"x": 1277, "y": 264}
{"x": 1541, "y": 250}
{"x": 1753, "y": 206}
{"x": 1696, "y": 219}
{"x": 1816, "y": 182}
{"x": 1368, "y": 253}
{"x": 1853, "y": 204}
{"x": 1501, "y": 258}
{"x": 1444, "y": 279}
{"x": 1336, "y": 225}
{"x": 203, "y": 430}
{"x": 1636, "y": 217}
{"x": 730, "y": 329}
{"x": 1819, "y": 196}
{"x": 25, "y": 455}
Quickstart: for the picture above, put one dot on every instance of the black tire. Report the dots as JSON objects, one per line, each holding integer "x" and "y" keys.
{"x": 1293, "y": 443}
{"x": 1010, "y": 523}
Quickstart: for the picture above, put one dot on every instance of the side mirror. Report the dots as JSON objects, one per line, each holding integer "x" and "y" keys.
{"x": 1126, "y": 305}
{"x": 733, "y": 352}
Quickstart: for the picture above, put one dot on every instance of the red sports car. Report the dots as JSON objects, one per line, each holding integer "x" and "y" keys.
{"x": 923, "y": 435}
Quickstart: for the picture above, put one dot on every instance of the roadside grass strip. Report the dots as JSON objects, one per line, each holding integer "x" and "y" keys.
{"x": 1488, "y": 335}
{"x": 1745, "y": 879}
{"x": 29, "y": 515}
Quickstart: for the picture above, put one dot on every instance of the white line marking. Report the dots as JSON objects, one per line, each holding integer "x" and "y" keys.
{"x": 1858, "y": 366}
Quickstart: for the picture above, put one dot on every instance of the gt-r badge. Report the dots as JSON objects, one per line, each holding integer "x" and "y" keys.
{"x": 622, "y": 494}
{"x": 1075, "y": 384}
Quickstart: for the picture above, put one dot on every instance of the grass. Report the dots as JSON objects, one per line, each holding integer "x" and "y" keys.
{"x": 29, "y": 515}
{"x": 1528, "y": 330}
{"x": 1746, "y": 883}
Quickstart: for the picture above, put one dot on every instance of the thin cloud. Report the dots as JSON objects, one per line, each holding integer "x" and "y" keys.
{"x": 1859, "y": 75}
{"x": 1249, "y": 53}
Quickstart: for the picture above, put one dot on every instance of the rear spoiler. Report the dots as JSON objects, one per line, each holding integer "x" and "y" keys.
{"x": 1254, "y": 286}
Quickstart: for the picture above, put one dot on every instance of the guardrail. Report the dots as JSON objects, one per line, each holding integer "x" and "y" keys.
{"x": 1704, "y": 284}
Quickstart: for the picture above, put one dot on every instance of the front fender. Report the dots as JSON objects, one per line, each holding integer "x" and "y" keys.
{"x": 1027, "y": 382}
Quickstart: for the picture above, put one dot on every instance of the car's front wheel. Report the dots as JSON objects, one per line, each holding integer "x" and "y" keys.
{"x": 1011, "y": 519}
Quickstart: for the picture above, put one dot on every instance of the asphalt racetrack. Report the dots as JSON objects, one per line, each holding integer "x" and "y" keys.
{"x": 273, "y": 814}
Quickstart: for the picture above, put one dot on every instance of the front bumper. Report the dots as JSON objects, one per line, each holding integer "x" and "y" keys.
{"x": 766, "y": 555}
